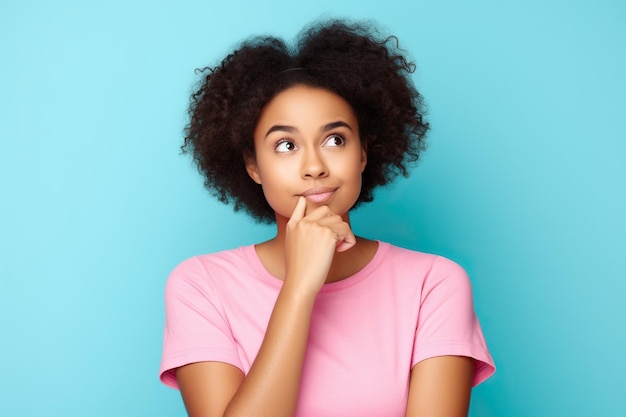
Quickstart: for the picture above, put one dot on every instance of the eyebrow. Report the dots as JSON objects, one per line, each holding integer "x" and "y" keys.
{"x": 281, "y": 128}
{"x": 291, "y": 129}
{"x": 334, "y": 125}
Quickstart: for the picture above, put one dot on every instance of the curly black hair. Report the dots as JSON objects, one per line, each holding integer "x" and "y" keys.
{"x": 350, "y": 59}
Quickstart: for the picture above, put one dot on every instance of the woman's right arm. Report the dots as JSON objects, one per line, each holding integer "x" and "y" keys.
{"x": 271, "y": 387}
{"x": 215, "y": 389}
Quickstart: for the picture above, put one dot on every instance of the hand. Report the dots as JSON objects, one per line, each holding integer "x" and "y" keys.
{"x": 310, "y": 244}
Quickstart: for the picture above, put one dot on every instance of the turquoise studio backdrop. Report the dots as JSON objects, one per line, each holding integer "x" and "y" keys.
{"x": 523, "y": 184}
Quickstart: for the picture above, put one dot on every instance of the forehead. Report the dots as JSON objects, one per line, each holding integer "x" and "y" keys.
{"x": 305, "y": 107}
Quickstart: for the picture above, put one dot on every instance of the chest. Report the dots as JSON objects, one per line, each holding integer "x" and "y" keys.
{"x": 358, "y": 356}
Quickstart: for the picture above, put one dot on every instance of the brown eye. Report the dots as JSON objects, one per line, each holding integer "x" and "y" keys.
{"x": 335, "y": 140}
{"x": 284, "y": 145}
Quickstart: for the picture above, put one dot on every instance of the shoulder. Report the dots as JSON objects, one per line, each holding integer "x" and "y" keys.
{"x": 392, "y": 254}
{"x": 210, "y": 261}
{"x": 432, "y": 263}
{"x": 431, "y": 269}
{"x": 201, "y": 270}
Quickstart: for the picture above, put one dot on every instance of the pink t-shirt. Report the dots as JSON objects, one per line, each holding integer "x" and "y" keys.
{"x": 367, "y": 331}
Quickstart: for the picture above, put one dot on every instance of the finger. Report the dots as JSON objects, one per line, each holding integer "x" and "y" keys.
{"x": 319, "y": 213}
{"x": 346, "y": 242}
{"x": 298, "y": 211}
{"x": 344, "y": 236}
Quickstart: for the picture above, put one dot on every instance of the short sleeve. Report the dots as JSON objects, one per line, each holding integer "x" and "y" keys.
{"x": 447, "y": 323}
{"x": 196, "y": 328}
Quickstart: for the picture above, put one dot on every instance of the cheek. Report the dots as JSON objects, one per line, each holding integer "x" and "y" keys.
{"x": 277, "y": 185}
{"x": 275, "y": 174}
{"x": 356, "y": 168}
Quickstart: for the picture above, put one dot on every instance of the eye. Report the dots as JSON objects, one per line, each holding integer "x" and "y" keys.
{"x": 335, "y": 140}
{"x": 285, "y": 145}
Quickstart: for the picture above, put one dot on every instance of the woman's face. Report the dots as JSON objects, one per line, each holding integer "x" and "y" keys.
{"x": 307, "y": 144}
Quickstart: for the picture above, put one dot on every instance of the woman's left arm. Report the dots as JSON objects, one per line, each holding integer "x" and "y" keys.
{"x": 441, "y": 387}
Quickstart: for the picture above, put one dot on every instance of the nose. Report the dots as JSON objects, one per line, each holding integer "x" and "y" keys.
{"x": 313, "y": 165}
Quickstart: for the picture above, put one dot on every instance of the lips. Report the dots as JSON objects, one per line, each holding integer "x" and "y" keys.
{"x": 319, "y": 194}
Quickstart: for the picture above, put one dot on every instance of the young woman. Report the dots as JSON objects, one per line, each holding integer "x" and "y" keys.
{"x": 316, "y": 321}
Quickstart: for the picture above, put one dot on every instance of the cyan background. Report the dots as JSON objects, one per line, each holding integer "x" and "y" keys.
{"x": 523, "y": 184}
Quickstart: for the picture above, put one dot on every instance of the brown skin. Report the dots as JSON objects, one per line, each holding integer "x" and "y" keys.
{"x": 314, "y": 244}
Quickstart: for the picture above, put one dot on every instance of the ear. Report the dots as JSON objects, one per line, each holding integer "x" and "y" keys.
{"x": 363, "y": 156}
{"x": 251, "y": 167}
